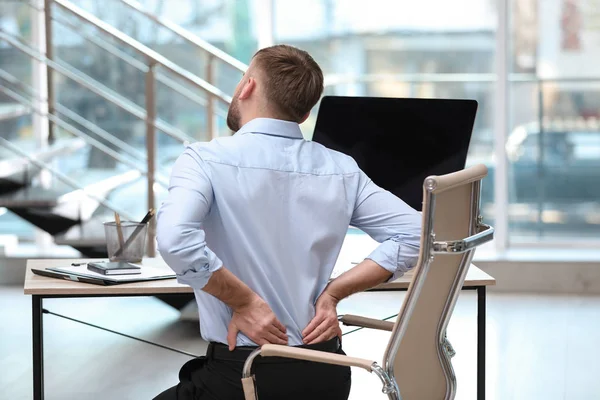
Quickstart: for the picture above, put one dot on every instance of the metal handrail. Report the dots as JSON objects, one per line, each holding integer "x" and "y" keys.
{"x": 16, "y": 113}
{"x": 153, "y": 56}
{"x": 76, "y": 132}
{"x": 65, "y": 179}
{"x": 188, "y": 36}
{"x": 96, "y": 87}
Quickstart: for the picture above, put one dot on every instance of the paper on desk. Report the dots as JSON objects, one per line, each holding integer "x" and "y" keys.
{"x": 152, "y": 268}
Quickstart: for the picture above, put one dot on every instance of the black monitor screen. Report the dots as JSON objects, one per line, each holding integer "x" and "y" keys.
{"x": 398, "y": 142}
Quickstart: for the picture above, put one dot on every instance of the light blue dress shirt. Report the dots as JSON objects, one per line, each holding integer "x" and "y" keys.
{"x": 274, "y": 209}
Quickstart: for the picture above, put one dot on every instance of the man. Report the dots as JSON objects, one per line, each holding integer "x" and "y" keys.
{"x": 254, "y": 223}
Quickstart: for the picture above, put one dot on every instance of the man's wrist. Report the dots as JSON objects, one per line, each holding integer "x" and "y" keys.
{"x": 364, "y": 276}
{"x": 329, "y": 298}
{"x": 244, "y": 300}
{"x": 226, "y": 287}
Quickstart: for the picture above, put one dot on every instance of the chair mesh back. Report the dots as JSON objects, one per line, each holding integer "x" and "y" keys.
{"x": 421, "y": 369}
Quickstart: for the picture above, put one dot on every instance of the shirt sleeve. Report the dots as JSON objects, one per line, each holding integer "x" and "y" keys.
{"x": 181, "y": 239}
{"x": 392, "y": 223}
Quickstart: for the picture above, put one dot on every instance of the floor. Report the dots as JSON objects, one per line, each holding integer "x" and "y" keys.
{"x": 539, "y": 346}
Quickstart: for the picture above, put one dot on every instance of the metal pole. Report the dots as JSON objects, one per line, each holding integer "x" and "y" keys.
{"x": 151, "y": 150}
{"x": 39, "y": 80}
{"x": 541, "y": 176}
{"x": 38, "y": 347}
{"x": 42, "y": 82}
{"x": 501, "y": 118}
{"x": 49, "y": 72}
{"x": 481, "y": 342}
{"x": 210, "y": 109}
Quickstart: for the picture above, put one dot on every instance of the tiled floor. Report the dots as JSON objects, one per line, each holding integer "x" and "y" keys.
{"x": 539, "y": 347}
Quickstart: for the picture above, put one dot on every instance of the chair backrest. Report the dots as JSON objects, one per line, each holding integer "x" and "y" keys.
{"x": 416, "y": 356}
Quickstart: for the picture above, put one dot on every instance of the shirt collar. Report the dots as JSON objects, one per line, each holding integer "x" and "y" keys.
{"x": 272, "y": 127}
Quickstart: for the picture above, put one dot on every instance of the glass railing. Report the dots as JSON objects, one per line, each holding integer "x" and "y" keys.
{"x": 112, "y": 92}
{"x": 16, "y": 127}
{"x": 15, "y": 123}
{"x": 176, "y": 33}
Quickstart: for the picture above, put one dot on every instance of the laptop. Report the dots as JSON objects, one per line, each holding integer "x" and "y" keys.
{"x": 398, "y": 142}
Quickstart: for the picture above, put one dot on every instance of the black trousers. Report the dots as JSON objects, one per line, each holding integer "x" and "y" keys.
{"x": 217, "y": 376}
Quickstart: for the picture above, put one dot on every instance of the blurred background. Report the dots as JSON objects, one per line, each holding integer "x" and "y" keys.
{"x": 531, "y": 65}
{"x": 98, "y": 98}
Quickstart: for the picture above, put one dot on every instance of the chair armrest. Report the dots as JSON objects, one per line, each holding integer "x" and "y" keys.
{"x": 357, "y": 320}
{"x": 275, "y": 350}
{"x": 249, "y": 388}
{"x": 485, "y": 234}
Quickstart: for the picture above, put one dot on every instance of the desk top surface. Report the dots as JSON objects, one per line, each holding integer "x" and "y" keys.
{"x": 41, "y": 285}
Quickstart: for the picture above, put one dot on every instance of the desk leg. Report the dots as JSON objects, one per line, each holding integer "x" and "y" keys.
{"x": 481, "y": 304}
{"x": 38, "y": 348}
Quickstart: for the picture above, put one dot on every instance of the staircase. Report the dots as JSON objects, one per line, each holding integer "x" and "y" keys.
{"x": 119, "y": 110}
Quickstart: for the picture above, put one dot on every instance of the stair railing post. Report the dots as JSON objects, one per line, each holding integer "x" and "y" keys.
{"x": 151, "y": 151}
{"x": 49, "y": 71}
{"x": 210, "y": 109}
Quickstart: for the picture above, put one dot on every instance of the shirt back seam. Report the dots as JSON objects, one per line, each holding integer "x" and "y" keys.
{"x": 280, "y": 170}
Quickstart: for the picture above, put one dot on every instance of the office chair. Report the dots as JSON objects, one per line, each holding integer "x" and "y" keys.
{"x": 416, "y": 363}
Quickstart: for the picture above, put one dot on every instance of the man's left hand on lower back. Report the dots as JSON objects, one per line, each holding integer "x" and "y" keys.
{"x": 324, "y": 326}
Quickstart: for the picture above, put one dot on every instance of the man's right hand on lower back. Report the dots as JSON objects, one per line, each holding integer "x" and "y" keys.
{"x": 256, "y": 320}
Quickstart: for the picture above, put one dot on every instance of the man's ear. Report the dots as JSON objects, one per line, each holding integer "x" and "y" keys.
{"x": 304, "y": 118}
{"x": 247, "y": 89}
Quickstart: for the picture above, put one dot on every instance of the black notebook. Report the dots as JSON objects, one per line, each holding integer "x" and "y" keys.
{"x": 114, "y": 268}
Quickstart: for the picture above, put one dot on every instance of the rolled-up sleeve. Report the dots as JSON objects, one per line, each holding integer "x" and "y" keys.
{"x": 181, "y": 239}
{"x": 391, "y": 222}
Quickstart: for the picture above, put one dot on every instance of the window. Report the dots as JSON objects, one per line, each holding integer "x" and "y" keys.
{"x": 554, "y": 171}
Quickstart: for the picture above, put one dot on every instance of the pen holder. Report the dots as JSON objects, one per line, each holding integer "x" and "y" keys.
{"x": 129, "y": 245}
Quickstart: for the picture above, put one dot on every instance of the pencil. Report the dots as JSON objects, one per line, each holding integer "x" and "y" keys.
{"x": 119, "y": 230}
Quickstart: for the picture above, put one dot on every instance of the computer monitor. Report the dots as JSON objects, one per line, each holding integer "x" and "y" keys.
{"x": 398, "y": 142}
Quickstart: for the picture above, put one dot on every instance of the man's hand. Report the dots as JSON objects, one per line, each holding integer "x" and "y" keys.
{"x": 251, "y": 315}
{"x": 256, "y": 320}
{"x": 324, "y": 326}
